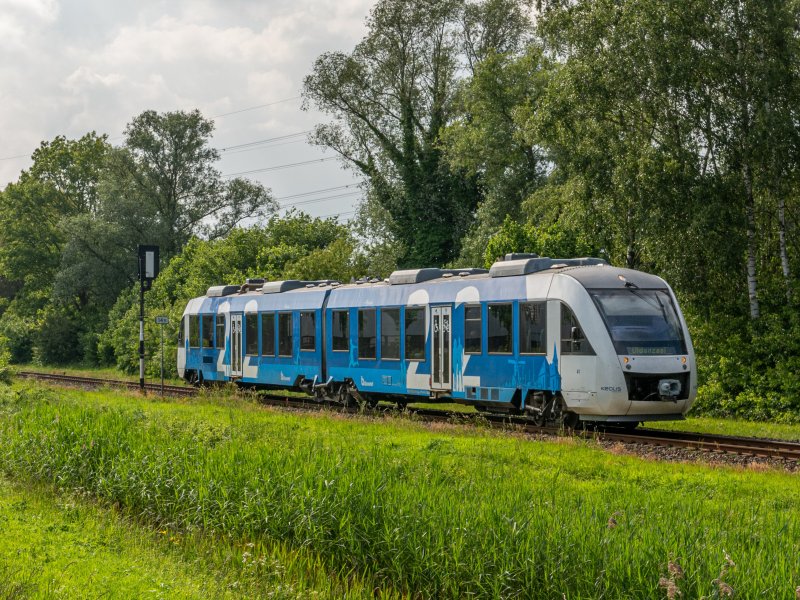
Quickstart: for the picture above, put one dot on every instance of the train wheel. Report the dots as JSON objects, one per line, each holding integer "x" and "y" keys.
{"x": 570, "y": 420}
{"x": 343, "y": 396}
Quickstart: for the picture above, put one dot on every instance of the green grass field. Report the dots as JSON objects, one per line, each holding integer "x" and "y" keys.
{"x": 406, "y": 508}
{"x": 778, "y": 431}
{"x": 60, "y": 546}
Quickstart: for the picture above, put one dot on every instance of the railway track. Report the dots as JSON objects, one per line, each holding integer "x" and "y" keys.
{"x": 722, "y": 444}
{"x": 94, "y": 382}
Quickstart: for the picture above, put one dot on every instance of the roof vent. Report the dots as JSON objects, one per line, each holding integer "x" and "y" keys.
{"x": 520, "y": 255}
{"x": 218, "y": 291}
{"x": 509, "y": 268}
{"x": 421, "y": 275}
{"x": 414, "y": 276}
{"x": 276, "y": 287}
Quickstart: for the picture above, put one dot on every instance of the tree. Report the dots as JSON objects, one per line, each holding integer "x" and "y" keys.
{"x": 160, "y": 188}
{"x": 390, "y": 99}
{"x": 487, "y": 141}
{"x": 294, "y": 246}
{"x": 62, "y": 183}
{"x": 686, "y": 111}
{"x": 167, "y": 166}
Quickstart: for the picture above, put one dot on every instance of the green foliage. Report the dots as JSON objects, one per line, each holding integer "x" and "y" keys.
{"x": 69, "y": 546}
{"x": 553, "y": 241}
{"x": 488, "y": 140}
{"x": 749, "y": 371}
{"x": 372, "y": 227}
{"x": 390, "y": 100}
{"x": 444, "y": 514}
{"x": 5, "y": 360}
{"x": 62, "y": 182}
{"x": 295, "y": 246}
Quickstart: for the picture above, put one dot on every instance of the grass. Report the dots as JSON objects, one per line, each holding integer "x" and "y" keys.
{"x": 58, "y": 546}
{"x": 62, "y": 545}
{"x": 434, "y": 511}
{"x": 778, "y": 431}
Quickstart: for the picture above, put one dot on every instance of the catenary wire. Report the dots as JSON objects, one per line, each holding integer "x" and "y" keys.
{"x": 280, "y": 167}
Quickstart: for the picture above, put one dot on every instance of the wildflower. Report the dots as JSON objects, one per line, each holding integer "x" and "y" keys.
{"x": 675, "y": 570}
{"x": 671, "y": 587}
{"x": 724, "y": 589}
{"x": 728, "y": 560}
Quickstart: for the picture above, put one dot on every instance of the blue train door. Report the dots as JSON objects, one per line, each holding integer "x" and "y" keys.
{"x": 442, "y": 347}
{"x": 236, "y": 345}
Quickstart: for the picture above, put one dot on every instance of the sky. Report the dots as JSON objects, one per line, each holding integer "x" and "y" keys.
{"x": 68, "y": 67}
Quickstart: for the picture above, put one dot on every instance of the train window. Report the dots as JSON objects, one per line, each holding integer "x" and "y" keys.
{"x": 500, "y": 319}
{"x": 251, "y": 334}
{"x": 340, "y": 330}
{"x": 390, "y": 333}
{"x": 180, "y": 331}
{"x": 285, "y": 334}
{"x": 308, "y": 331}
{"x": 367, "y": 340}
{"x": 268, "y": 334}
{"x": 194, "y": 331}
{"x": 207, "y": 339}
{"x": 473, "y": 326}
{"x": 415, "y": 333}
{"x": 573, "y": 340}
{"x": 533, "y": 327}
{"x": 220, "y": 331}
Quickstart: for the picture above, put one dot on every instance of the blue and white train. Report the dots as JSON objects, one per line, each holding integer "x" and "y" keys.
{"x": 561, "y": 340}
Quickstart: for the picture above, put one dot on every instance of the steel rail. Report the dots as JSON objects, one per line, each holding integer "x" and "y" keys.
{"x": 761, "y": 447}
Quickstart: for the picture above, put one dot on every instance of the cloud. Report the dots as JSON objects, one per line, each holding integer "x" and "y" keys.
{"x": 93, "y": 65}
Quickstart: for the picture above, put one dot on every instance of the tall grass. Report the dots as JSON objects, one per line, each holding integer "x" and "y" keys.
{"x": 447, "y": 514}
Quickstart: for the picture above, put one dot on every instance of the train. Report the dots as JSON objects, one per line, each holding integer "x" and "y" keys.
{"x": 563, "y": 341}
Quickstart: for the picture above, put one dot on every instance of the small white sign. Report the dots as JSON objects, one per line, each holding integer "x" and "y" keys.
{"x": 150, "y": 264}
{"x": 162, "y": 320}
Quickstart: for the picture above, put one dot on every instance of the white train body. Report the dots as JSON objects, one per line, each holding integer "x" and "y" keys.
{"x": 560, "y": 339}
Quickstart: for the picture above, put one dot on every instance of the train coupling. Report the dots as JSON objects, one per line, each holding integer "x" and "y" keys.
{"x": 669, "y": 389}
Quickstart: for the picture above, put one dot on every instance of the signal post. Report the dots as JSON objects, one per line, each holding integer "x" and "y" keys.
{"x": 148, "y": 271}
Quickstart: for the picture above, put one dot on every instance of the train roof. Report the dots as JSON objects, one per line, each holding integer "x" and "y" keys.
{"x": 505, "y": 279}
{"x": 610, "y": 277}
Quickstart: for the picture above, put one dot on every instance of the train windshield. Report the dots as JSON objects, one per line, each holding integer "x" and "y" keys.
{"x": 642, "y": 322}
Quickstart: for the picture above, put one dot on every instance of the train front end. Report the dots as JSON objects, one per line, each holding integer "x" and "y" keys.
{"x": 645, "y": 360}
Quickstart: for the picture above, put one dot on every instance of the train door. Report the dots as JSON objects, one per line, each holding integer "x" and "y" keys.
{"x": 441, "y": 372}
{"x": 577, "y": 360}
{"x": 236, "y": 345}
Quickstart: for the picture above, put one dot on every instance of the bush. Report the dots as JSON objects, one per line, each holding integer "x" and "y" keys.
{"x": 748, "y": 370}
{"x": 5, "y": 359}
{"x": 18, "y": 333}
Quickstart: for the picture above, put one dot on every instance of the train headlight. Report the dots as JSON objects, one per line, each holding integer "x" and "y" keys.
{"x": 626, "y": 360}
{"x": 683, "y": 360}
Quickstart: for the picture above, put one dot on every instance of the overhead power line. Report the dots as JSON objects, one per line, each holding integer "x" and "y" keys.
{"x": 15, "y": 156}
{"x": 264, "y": 141}
{"x": 315, "y": 192}
{"x": 236, "y": 112}
{"x": 280, "y": 167}
{"x": 314, "y": 200}
{"x": 341, "y": 214}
